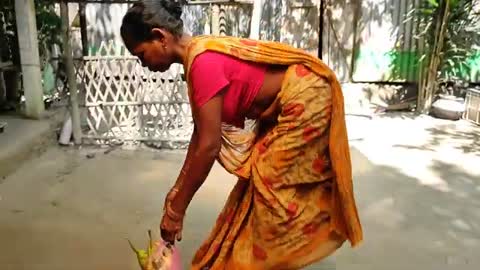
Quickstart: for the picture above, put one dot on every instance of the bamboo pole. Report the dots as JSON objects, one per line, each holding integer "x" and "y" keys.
{"x": 72, "y": 82}
{"x": 436, "y": 57}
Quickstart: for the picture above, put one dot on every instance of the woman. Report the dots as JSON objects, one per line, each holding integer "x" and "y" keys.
{"x": 293, "y": 203}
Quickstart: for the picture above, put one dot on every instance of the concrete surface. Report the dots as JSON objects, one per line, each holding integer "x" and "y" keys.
{"x": 25, "y": 138}
{"x": 20, "y": 139}
{"x": 418, "y": 190}
{"x": 417, "y": 182}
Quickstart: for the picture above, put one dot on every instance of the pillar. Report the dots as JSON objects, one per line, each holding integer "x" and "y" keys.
{"x": 29, "y": 57}
{"x": 256, "y": 17}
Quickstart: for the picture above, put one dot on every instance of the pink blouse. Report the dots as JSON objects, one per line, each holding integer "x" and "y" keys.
{"x": 241, "y": 80}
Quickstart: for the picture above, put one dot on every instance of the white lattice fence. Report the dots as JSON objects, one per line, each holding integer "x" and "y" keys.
{"x": 127, "y": 102}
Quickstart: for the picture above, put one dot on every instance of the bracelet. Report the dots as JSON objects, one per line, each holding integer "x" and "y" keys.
{"x": 172, "y": 214}
{"x": 174, "y": 190}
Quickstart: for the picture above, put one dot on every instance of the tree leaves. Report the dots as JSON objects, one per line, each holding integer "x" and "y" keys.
{"x": 462, "y": 36}
{"x": 48, "y": 26}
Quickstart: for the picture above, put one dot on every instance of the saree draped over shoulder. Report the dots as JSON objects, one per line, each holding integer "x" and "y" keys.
{"x": 293, "y": 203}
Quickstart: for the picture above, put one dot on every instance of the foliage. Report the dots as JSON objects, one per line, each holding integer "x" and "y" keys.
{"x": 8, "y": 33}
{"x": 48, "y": 26}
{"x": 462, "y": 36}
{"x": 449, "y": 38}
{"x": 461, "y": 41}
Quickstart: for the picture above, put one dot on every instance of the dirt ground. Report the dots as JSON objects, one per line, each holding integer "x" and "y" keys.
{"x": 417, "y": 182}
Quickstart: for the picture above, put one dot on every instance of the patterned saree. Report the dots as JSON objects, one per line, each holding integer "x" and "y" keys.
{"x": 293, "y": 203}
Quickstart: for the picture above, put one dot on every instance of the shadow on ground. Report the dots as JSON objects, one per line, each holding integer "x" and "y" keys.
{"x": 413, "y": 226}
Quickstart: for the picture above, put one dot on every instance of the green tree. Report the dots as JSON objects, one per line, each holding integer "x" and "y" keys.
{"x": 48, "y": 26}
{"x": 451, "y": 38}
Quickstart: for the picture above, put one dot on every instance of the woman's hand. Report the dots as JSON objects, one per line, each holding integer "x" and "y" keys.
{"x": 172, "y": 223}
{"x": 171, "y": 229}
{"x": 200, "y": 158}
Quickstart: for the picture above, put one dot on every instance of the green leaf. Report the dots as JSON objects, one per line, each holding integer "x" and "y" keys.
{"x": 433, "y": 3}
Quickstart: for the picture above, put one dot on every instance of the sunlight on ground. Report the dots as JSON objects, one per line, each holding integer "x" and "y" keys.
{"x": 420, "y": 147}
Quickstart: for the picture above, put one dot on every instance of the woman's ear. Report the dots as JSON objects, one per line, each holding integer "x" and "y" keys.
{"x": 161, "y": 35}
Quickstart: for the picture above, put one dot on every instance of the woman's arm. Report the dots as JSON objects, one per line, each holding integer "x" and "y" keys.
{"x": 208, "y": 121}
{"x": 186, "y": 164}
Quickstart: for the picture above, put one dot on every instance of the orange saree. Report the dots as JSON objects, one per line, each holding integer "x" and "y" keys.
{"x": 294, "y": 202}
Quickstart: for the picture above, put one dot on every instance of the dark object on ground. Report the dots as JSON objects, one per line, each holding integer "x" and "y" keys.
{"x": 3, "y": 125}
{"x": 90, "y": 156}
{"x": 113, "y": 146}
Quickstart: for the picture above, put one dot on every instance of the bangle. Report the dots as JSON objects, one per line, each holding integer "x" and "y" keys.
{"x": 174, "y": 190}
{"x": 172, "y": 214}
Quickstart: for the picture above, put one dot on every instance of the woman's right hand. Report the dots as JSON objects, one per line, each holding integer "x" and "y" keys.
{"x": 170, "y": 229}
{"x": 170, "y": 195}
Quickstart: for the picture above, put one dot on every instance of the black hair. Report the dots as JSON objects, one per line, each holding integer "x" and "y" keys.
{"x": 146, "y": 15}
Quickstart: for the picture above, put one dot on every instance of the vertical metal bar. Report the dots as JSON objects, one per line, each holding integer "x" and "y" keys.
{"x": 72, "y": 82}
{"x": 320, "y": 30}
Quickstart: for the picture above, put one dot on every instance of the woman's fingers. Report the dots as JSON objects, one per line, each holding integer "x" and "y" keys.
{"x": 170, "y": 230}
{"x": 179, "y": 236}
{"x": 168, "y": 236}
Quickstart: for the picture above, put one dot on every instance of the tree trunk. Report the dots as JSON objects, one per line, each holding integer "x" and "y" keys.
{"x": 429, "y": 78}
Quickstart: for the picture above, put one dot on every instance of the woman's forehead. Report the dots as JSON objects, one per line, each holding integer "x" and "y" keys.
{"x": 131, "y": 45}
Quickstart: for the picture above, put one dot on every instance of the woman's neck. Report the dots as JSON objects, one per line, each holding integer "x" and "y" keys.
{"x": 181, "y": 50}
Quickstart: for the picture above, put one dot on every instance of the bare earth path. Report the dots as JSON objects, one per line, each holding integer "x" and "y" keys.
{"x": 417, "y": 182}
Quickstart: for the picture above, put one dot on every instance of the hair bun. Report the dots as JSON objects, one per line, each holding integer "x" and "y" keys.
{"x": 174, "y": 7}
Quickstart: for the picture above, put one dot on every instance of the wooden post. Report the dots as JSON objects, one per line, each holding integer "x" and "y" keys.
{"x": 256, "y": 18}
{"x": 83, "y": 27}
{"x": 72, "y": 81}
{"x": 3, "y": 42}
{"x": 216, "y": 20}
{"x": 3, "y": 88}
